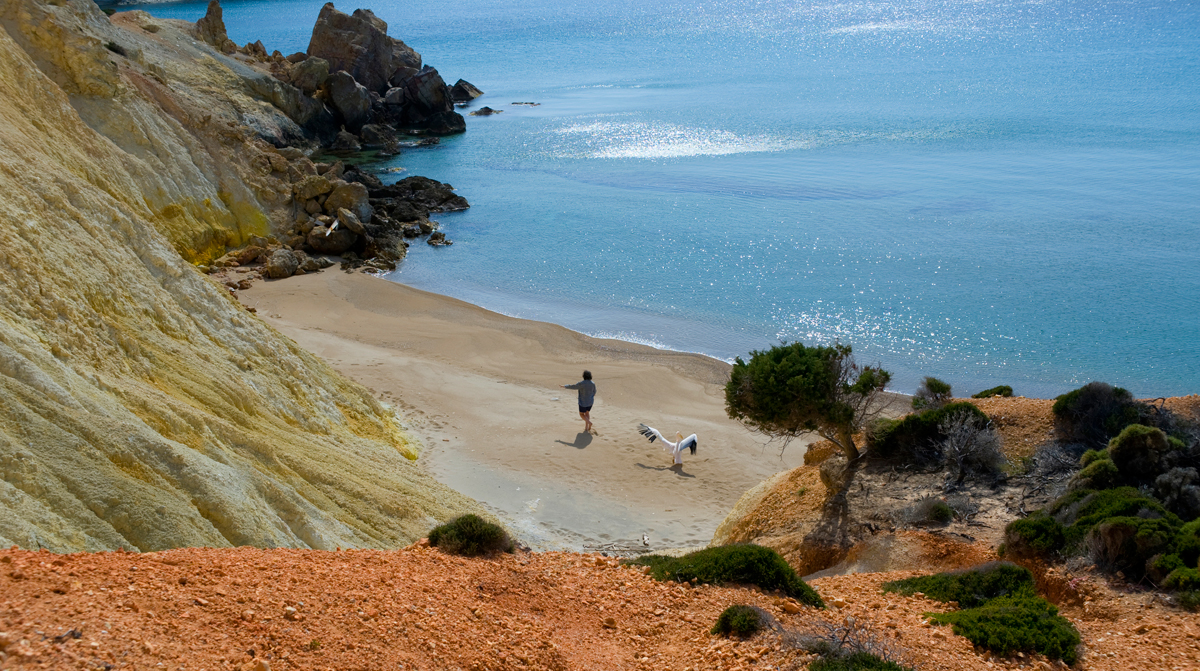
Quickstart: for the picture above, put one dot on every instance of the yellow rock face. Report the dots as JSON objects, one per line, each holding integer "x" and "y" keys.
{"x": 140, "y": 405}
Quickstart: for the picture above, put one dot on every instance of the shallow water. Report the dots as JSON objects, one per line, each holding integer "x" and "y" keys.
{"x": 991, "y": 193}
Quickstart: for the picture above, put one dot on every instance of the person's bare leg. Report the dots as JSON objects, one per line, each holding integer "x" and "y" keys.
{"x": 587, "y": 421}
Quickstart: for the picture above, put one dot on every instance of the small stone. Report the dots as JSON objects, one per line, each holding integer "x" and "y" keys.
{"x": 201, "y": 602}
{"x": 610, "y": 623}
{"x": 248, "y": 615}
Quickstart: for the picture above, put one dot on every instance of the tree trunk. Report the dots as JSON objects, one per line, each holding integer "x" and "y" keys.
{"x": 846, "y": 442}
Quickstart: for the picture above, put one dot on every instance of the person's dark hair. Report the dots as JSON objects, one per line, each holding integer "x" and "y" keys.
{"x": 587, "y": 374}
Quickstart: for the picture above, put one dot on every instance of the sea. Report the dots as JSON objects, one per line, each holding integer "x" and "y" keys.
{"x": 990, "y": 193}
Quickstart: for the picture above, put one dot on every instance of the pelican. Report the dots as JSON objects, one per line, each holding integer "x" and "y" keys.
{"x": 676, "y": 448}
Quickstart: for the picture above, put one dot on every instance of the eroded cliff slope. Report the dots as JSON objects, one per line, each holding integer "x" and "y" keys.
{"x": 140, "y": 406}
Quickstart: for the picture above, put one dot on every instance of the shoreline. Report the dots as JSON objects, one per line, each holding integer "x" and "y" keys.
{"x": 481, "y": 391}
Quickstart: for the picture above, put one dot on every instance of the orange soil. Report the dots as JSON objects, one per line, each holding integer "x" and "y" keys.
{"x": 417, "y": 608}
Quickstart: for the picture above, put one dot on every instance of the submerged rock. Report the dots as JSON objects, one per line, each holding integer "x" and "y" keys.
{"x": 485, "y": 111}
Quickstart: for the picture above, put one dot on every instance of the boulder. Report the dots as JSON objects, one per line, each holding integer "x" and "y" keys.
{"x": 359, "y": 44}
{"x": 378, "y": 135}
{"x": 255, "y": 49}
{"x": 211, "y": 29}
{"x": 464, "y": 91}
{"x": 438, "y": 239}
{"x": 297, "y": 57}
{"x": 350, "y": 221}
{"x": 420, "y": 97}
{"x": 351, "y": 196}
{"x": 353, "y": 174}
{"x": 309, "y": 74}
{"x": 446, "y": 123}
{"x": 312, "y": 186}
{"x": 322, "y": 241}
{"x": 349, "y": 99}
{"x": 282, "y": 263}
{"x": 345, "y": 141}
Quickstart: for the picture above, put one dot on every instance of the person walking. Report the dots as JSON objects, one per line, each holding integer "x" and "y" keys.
{"x": 587, "y": 397}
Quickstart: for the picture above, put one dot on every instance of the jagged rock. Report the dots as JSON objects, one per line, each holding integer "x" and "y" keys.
{"x": 353, "y": 197}
{"x": 350, "y": 221}
{"x": 211, "y": 29}
{"x": 309, "y": 74}
{"x": 349, "y": 99}
{"x": 353, "y": 174}
{"x": 297, "y": 57}
{"x": 446, "y": 123}
{"x": 420, "y": 97}
{"x": 431, "y": 195}
{"x": 464, "y": 91}
{"x": 377, "y": 135}
{"x": 485, "y": 111}
{"x": 438, "y": 239}
{"x": 290, "y": 153}
{"x": 255, "y": 49}
{"x": 411, "y": 230}
{"x": 345, "y": 141}
{"x": 359, "y": 44}
{"x": 282, "y": 263}
{"x": 336, "y": 170}
{"x": 312, "y": 186}
{"x": 336, "y": 242}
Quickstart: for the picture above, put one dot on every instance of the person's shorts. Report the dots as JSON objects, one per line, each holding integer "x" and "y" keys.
{"x": 583, "y": 408}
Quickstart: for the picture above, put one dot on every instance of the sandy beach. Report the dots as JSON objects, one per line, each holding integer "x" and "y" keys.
{"x": 482, "y": 391}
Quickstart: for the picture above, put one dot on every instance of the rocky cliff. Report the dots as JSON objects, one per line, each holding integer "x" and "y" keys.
{"x": 140, "y": 406}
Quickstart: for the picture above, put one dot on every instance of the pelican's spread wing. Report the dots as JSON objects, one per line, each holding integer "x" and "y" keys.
{"x": 650, "y": 433}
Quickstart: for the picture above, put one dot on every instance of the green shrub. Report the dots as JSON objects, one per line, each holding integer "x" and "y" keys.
{"x": 741, "y": 564}
{"x": 1189, "y": 600}
{"x": 932, "y": 393}
{"x": 1081, "y": 510}
{"x": 1035, "y": 536}
{"x": 1187, "y": 543}
{"x": 1161, "y": 566}
{"x": 1127, "y": 543}
{"x": 1099, "y": 474}
{"x": 1092, "y": 456}
{"x": 941, "y": 513}
{"x": 1021, "y": 623}
{"x": 1003, "y": 390}
{"x": 859, "y": 661}
{"x": 1138, "y": 452}
{"x": 999, "y": 610}
{"x": 1094, "y": 413}
{"x": 741, "y": 621}
{"x": 470, "y": 536}
{"x": 917, "y": 438}
{"x": 969, "y": 587}
{"x": 1183, "y": 580}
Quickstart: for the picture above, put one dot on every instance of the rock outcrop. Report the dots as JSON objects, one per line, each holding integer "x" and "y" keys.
{"x": 143, "y": 407}
{"x": 211, "y": 28}
{"x": 359, "y": 44}
{"x": 463, "y": 91}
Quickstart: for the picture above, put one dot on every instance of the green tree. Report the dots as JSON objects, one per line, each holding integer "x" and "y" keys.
{"x": 791, "y": 390}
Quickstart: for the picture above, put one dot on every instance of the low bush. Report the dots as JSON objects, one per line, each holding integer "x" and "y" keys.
{"x": 1021, "y": 623}
{"x": 470, "y": 536}
{"x": 1003, "y": 390}
{"x": 1161, "y": 566}
{"x": 917, "y": 437}
{"x": 1094, "y": 413}
{"x": 1126, "y": 544}
{"x": 1183, "y": 579}
{"x": 1092, "y": 456}
{"x": 740, "y": 564}
{"x": 1035, "y": 536}
{"x": 1179, "y": 491}
{"x": 743, "y": 621}
{"x": 999, "y": 610}
{"x": 932, "y": 393}
{"x": 1138, "y": 453}
{"x": 1099, "y": 474}
{"x": 970, "y": 446}
{"x": 1189, "y": 600}
{"x": 969, "y": 587}
{"x": 859, "y": 661}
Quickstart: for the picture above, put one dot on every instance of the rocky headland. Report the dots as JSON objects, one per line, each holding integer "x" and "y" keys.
{"x": 143, "y": 407}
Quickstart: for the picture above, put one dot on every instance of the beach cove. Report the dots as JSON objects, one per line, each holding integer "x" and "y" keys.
{"x": 482, "y": 392}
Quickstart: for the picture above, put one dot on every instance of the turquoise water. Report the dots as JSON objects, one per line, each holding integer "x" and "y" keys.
{"x": 987, "y": 192}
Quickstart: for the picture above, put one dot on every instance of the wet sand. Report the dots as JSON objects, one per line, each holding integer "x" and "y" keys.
{"x": 481, "y": 390}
